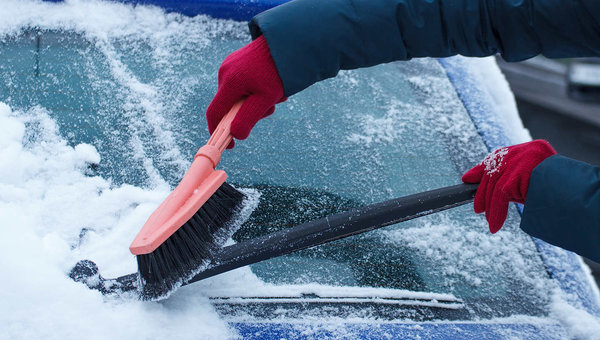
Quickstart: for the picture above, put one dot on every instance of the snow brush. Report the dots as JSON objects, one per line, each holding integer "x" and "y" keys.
{"x": 306, "y": 235}
{"x": 181, "y": 235}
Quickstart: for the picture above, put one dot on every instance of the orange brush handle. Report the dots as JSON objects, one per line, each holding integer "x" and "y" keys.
{"x": 197, "y": 185}
{"x": 220, "y": 138}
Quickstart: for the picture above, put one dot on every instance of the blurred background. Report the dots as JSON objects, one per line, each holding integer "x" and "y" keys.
{"x": 559, "y": 100}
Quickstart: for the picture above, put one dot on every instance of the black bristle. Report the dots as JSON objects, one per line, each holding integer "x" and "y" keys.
{"x": 189, "y": 249}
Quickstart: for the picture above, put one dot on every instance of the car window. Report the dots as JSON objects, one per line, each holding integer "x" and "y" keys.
{"x": 366, "y": 136}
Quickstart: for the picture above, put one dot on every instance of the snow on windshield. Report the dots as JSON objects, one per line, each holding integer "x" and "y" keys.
{"x": 102, "y": 110}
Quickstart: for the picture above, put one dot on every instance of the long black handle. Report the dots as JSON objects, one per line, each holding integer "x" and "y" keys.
{"x": 300, "y": 237}
{"x": 335, "y": 227}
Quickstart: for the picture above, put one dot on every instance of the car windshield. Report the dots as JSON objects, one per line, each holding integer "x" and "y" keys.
{"x": 366, "y": 136}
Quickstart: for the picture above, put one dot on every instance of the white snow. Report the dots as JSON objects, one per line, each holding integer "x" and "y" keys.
{"x": 383, "y": 129}
{"x": 486, "y": 72}
{"x": 44, "y": 200}
{"x": 579, "y": 323}
{"x": 465, "y": 254}
{"x": 266, "y": 290}
{"x": 87, "y": 153}
{"x": 494, "y": 160}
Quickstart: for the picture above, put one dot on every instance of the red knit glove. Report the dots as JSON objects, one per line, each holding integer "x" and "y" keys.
{"x": 248, "y": 72}
{"x": 504, "y": 177}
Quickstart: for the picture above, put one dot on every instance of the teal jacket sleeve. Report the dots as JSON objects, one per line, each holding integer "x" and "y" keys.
{"x": 563, "y": 205}
{"x": 311, "y": 40}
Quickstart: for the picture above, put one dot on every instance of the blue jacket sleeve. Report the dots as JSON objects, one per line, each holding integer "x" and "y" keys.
{"x": 563, "y": 205}
{"x": 311, "y": 40}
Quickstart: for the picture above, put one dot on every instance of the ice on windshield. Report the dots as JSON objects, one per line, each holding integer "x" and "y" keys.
{"x": 376, "y": 134}
{"x": 103, "y": 109}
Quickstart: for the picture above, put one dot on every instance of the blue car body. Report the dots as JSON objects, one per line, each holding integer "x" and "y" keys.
{"x": 564, "y": 267}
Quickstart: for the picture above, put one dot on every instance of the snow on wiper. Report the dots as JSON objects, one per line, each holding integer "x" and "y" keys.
{"x": 340, "y": 299}
{"x": 315, "y": 301}
{"x": 316, "y": 293}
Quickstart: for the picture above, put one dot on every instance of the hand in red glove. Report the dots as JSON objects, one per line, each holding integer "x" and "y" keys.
{"x": 504, "y": 177}
{"x": 246, "y": 73}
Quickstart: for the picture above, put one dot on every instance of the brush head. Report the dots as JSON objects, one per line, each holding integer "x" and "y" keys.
{"x": 189, "y": 249}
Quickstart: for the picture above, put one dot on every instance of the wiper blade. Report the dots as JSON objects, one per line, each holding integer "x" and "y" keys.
{"x": 339, "y": 300}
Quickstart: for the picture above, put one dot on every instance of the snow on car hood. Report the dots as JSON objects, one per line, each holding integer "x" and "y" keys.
{"x": 45, "y": 199}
